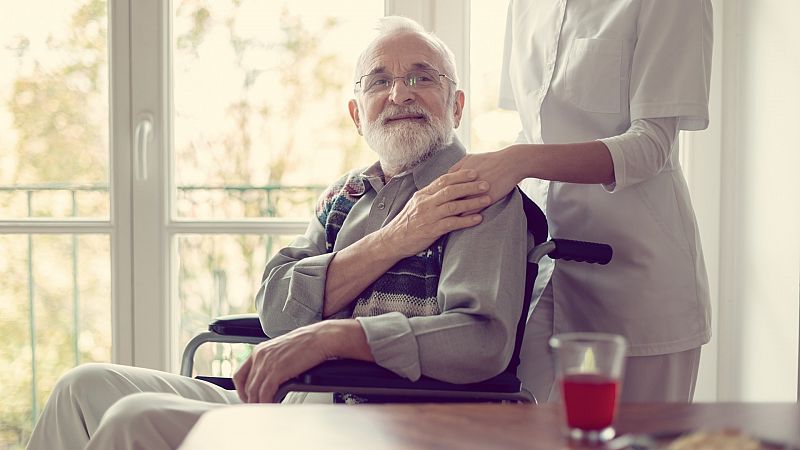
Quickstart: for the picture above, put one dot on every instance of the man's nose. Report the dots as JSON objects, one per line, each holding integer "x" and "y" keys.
{"x": 400, "y": 93}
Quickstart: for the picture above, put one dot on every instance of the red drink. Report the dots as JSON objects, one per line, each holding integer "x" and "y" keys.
{"x": 590, "y": 400}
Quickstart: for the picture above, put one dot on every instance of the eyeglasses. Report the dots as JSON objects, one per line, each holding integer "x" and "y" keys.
{"x": 417, "y": 79}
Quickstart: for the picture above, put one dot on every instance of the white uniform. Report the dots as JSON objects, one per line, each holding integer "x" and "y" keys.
{"x": 630, "y": 73}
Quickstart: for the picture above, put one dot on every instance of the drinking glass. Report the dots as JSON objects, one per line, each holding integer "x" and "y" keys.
{"x": 589, "y": 368}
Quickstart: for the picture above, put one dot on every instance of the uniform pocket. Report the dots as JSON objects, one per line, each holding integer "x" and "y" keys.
{"x": 594, "y": 74}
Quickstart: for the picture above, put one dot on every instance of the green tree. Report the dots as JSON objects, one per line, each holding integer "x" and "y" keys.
{"x": 60, "y": 117}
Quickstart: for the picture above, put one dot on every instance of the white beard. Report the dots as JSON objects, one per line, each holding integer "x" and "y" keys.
{"x": 402, "y": 145}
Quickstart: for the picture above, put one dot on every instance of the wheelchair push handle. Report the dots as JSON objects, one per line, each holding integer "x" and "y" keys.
{"x": 580, "y": 251}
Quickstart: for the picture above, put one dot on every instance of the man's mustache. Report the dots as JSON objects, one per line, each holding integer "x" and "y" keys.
{"x": 406, "y": 112}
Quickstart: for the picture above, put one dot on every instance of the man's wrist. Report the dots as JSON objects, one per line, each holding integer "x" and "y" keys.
{"x": 384, "y": 246}
{"x": 344, "y": 338}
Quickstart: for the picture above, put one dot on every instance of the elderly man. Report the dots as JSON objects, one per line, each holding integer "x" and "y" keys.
{"x": 394, "y": 254}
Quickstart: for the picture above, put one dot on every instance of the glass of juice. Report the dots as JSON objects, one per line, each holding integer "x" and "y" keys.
{"x": 589, "y": 368}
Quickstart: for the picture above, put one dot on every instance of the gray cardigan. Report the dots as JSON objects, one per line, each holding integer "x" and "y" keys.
{"x": 457, "y": 326}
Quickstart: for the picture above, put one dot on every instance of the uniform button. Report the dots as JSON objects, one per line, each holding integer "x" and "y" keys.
{"x": 381, "y": 205}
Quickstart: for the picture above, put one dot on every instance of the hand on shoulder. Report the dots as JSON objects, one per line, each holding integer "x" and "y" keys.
{"x": 500, "y": 169}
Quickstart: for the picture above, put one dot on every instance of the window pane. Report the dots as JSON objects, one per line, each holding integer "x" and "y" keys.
{"x": 218, "y": 275}
{"x": 260, "y": 92}
{"x": 55, "y": 313}
{"x": 54, "y": 154}
{"x": 492, "y": 128}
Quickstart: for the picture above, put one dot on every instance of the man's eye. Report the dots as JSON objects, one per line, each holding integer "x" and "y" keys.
{"x": 424, "y": 78}
{"x": 379, "y": 83}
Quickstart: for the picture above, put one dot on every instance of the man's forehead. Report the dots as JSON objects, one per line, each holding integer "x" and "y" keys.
{"x": 380, "y": 68}
{"x": 408, "y": 51}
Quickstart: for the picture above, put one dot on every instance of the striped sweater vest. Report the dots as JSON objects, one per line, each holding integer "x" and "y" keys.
{"x": 410, "y": 286}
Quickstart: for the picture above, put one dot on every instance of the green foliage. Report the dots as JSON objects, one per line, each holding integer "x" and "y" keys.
{"x": 192, "y": 39}
{"x": 61, "y": 114}
{"x": 60, "y": 117}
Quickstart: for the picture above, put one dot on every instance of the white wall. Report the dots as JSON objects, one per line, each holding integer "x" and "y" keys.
{"x": 760, "y": 201}
{"x": 701, "y": 160}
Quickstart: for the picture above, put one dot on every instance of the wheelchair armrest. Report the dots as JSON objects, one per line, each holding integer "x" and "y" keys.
{"x": 360, "y": 374}
{"x": 353, "y": 373}
{"x": 235, "y": 329}
{"x": 357, "y": 377}
{"x": 237, "y": 325}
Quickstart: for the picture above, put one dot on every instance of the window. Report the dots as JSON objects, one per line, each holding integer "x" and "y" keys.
{"x": 491, "y": 128}
{"x": 55, "y": 201}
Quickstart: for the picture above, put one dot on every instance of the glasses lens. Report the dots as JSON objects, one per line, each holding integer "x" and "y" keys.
{"x": 376, "y": 82}
{"x": 422, "y": 78}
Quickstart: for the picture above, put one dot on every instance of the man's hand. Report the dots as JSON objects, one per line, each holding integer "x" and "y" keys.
{"x": 275, "y": 361}
{"x": 278, "y": 360}
{"x": 436, "y": 210}
{"x": 500, "y": 169}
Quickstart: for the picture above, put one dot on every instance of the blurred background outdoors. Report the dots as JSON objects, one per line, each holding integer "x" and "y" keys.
{"x": 260, "y": 126}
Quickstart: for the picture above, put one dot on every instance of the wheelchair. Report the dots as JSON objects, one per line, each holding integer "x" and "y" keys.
{"x": 365, "y": 379}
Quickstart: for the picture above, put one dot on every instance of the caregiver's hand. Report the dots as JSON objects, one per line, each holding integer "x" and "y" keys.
{"x": 499, "y": 169}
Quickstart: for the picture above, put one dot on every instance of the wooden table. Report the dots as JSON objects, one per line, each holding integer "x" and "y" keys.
{"x": 465, "y": 426}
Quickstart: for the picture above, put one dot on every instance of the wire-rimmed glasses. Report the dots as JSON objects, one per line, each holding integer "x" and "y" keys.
{"x": 416, "y": 79}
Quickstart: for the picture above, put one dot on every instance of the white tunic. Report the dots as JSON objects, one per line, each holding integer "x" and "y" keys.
{"x": 581, "y": 70}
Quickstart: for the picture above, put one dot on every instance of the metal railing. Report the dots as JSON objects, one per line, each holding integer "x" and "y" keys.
{"x": 267, "y": 208}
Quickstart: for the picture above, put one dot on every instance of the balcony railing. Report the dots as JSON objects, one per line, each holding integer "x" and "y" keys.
{"x": 258, "y": 201}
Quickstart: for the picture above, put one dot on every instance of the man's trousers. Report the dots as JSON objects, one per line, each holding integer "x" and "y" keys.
{"x": 108, "y": 406}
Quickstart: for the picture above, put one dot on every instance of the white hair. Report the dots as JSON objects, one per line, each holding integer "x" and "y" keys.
{"x": 392, "y": 25}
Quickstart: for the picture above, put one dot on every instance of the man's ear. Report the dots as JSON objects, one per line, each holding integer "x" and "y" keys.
{"x": 352, "y": 105}
{"x": 458, "y": 108}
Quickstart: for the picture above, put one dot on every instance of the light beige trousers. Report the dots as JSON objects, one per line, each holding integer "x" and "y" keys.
{"x": 660, "y": 378}
{"x": 108, "y": 406}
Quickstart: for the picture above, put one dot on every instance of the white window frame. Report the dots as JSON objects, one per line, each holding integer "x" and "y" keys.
{"x": 122, "y": 331}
